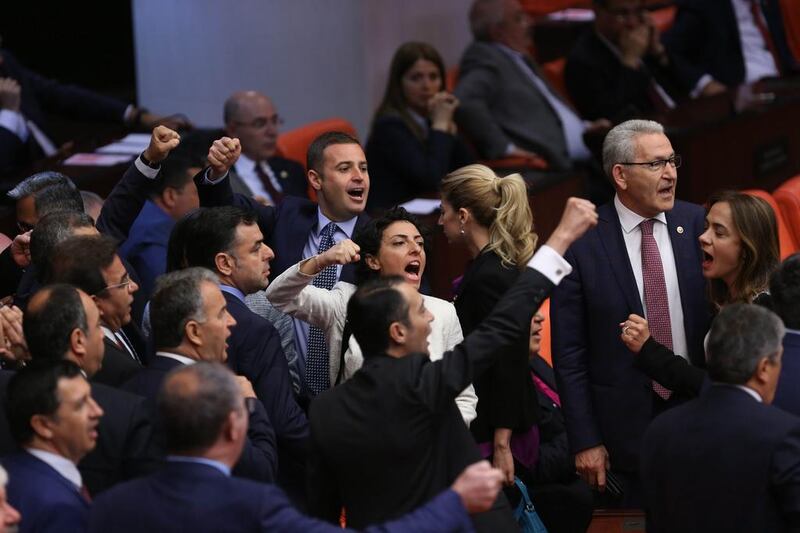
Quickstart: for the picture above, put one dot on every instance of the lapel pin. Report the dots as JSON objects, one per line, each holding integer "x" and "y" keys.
{"x": 680, "y": 230}
{"x": 284, "y": 174}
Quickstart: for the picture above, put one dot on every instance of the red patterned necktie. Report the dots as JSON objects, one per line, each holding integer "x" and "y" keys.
{"x": 275, "y": 195}
{"x": 655, "y": 295}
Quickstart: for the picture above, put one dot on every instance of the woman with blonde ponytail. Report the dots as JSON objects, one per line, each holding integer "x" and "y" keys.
{"x": 492, "y": 218}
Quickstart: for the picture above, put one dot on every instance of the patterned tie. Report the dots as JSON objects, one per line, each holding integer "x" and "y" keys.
{"x": 275, "y": 195}
{"x": 655, "y": 295}
{"x": 317, "y": 374}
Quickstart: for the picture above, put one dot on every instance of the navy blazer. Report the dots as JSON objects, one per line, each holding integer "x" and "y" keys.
{"x": 146, "y": 245}
{"x": 787, "y": 397}
{"x": 285, "y": 227}
{"x": 199, "y": 498}
{"x": 605, "y": 398}
{"x": 722, "y": 462}
{"x": 259, "y": 459}
{"x": 47, "y": 501}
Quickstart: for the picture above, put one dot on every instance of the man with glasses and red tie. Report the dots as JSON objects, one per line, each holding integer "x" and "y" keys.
{"x": 642, "y": 256}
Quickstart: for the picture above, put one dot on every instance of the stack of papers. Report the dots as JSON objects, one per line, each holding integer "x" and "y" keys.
{"x": 98, "y": 160}
{"x": 132, "y": 144}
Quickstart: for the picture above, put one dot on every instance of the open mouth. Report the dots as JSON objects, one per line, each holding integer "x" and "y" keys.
{"x": 412, "y": 270}
{"x": 708, "y": 260}
{"x": 356, "y": 193}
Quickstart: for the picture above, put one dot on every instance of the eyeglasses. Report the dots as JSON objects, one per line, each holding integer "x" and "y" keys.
{"x": 658, "y": 165}
{"x": 262, "y": 122}
{"x": 126, "y": 280}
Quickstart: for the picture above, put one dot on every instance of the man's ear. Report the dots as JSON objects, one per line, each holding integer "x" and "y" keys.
{"x": 77, "y": 342}
{"x": 168, "y": 196}
{"x": 225, "y": 263}
{"x": 397, "y": 332}
{"x": 618, "y": 174}
{"x": 314, "y": 179}
{"x": 762, "y": 370}
{"x": 41, "y": 426}
{"x": 193, "y": 333}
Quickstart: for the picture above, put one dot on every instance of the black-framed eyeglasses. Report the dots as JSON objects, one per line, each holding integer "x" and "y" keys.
{"x": 658, "y": 165}
{"x": 262, "y": 122}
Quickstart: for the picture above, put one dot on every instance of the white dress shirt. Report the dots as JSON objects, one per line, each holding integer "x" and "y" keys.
{"x": 177, "y": 357}
{"x": 632, "y": 235}
{"x": 758, "y": 60}
{"x": 60, "y": 464}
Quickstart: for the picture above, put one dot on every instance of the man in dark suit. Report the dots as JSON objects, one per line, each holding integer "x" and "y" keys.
{"x": 643, "y": 256}
{"x": 784, "y": 287}
{"x": 191, "y": 323}
{"x": 195, "y": 491}
{"x": 728, "y": 461}
{"x": 621, "y": 70}
{"x": 391, "y": 437}
{"x": 54, "y": 418}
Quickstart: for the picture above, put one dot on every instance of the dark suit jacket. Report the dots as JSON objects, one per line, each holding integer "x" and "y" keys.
{"x": 722, "y": 462}
{"x": 199, "y": 498}
{"x": 602, "y": 87}
{"x": 7, "y": 444}
{"x": 118, "y": 366}
{"x": 146, "y": 245}
{"x": 507, "y": 396}
{"x": 787, "y": 397}
{"x": 391, "y": 437}
{"x": 259, "y": 459}
{"x": 402, "y": 167}
{"x": 605, "y": 399}
{"x": 285, "y": 227}
{"x": 47, "y": 501}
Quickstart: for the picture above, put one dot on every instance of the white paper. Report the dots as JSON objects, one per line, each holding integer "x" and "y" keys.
{"x": 96, "y": 160}
{"x": 421, "y": 206}
{"x": 132, "y": 144}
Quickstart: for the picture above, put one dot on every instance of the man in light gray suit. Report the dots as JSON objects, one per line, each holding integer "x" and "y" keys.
{"x": 507, "y": 107}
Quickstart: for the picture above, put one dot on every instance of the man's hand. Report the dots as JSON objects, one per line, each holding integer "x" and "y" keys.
{"x": 245, "y": 386}
{"x": 592, "y": 464}
{"x": 478, "y": 486}
{"x": 633, "y": 45}
{"x": 579, "y": 215}
{"x": 10, "y": 94}
{"x": 21, "y": 249}
{"x": 162, "y": 142}
{"x": 12, "y": 339}
{"x": 713, "y": 88}
{"x": 223, "y": 155}
{"x": 635, "y": 332}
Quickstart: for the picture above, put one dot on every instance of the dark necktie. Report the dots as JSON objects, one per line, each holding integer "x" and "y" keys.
{"x": 317, "y": 363}
{"x": 275, "y": 195}
{"x": 761, "y": 24}
{"x": 85, "y": 493}
{"x": 655, "y": 295}
{"x": 126, "y": 345}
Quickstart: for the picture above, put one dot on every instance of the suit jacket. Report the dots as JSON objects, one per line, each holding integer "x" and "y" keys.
{"x": 199, "y": 498}
{"x": 787, "y": 397}
{"x": 507, "y": 394}
{"x": 722, "y": 462}
{"x": 391, "y": 437}
{"x": 501, "y": 105}
{"x": 403, "y": 167}
{"x": 118, "y": 366}
{"x": 7, "y": 444}
{"x": 605, "y": 399}
{"x": 146, "y": 245}
{"x": 258, "y": 460}
{"x": 285, "y": 227}
{"x": 602, "y": 87}
{"x": 47, "y": 501}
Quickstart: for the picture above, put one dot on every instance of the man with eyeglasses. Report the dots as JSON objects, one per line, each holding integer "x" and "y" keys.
{"x": 251, "y": 117}
{"x": 643, "y": 256}
{"x": 621, "y": 70}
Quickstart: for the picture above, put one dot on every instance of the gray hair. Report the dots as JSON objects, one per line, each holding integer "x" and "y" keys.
{"x": 58, "y": 197}
{"x": 177, "y": 300}
{"x": 194, "y": 404}
{"x": 52, "y": 230}
{"x": 483, "y": 16}
{"x": 619, "y": 145}
{"x": 742, "y": 335}
{"x": 37, "y": 182}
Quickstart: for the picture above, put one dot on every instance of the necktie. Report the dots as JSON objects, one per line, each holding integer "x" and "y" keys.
{"x": 126, "y": 345}
{"x": 317, "y": 374}
{"x": 761, "y": 24}
{"x": 655, "y": 295}
{"x": 275, "y": 195}
{"x": 85, "y": 493}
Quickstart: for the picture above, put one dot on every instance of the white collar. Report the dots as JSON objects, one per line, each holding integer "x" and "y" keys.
{"x": 109, "y": 334}
{"x": 245, "y": 162}
{"x": 60, "y": 464}
{"x": 630, "y": 220}
{"x": 177, "y": 357}
{"x": 751, "y": 392}
{"x": 347, "y": 226}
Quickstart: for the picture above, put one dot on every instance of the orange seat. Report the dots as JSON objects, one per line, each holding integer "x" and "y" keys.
{"x": 538, "y": 8}
{"x": 791, "y": 24}
{"x": 786, "y": 238}
{"x": 664, "y": 17}
{"x": 554, "y": 70}
{"x": 516, "y": 162}
{"x": 788, "y": 198}
{"x": 451, "y": 77}
{"x": 544, "y": 348}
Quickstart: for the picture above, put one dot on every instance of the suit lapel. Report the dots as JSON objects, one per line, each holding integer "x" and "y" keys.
{"x": 47, "y": 470}
{"x": 610, "y": 233}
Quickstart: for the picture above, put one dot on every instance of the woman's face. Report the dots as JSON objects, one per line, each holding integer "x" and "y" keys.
{"x": 721, "y": 244}
{"x": 420, "y": 83}
{"x": 450, "y": 223}
{"x": 402, "y": 253}
{"x": 535, "y": 341}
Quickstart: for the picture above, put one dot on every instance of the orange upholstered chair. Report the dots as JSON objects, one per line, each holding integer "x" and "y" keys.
{"x": 451, "y": 77}
{"x": 664, "y": 17}
{"x": 791, "y": 24}
{"x": 544, "y": 349}
{"x": 538, "y": 8}
{"x": 788, "y": 198}
{"x": 788, "y": 243}
{"x": 554, "y": 70}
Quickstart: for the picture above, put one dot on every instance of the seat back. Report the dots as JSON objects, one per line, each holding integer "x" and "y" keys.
{"x": 791, "y": 26}
{"x": 545, "y": 350}
{"x": 451, "y": 78}
{"x": 787, "y": 197}
{"x": 554, "y": 70}
{"x": 786, "y": 238}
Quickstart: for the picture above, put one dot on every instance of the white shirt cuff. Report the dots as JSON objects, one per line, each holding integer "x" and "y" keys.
{"x": 704, "y": 80}
{"x": 148, "y": 172}
{"x": 510, "y": 147}
{"x": 550, "y": 263}
{"x": 207, "y": 178}
{"x": 15, "y": 123}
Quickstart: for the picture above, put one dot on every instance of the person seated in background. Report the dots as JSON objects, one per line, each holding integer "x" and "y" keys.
{"x": 54, "y": 419}
{"x": 26, "y": 98}
{"x": 414, "y": 140}
{"x": 728, "y": 461}
{"x": 196, "y": 492}
{"x": 621, "y": 70}
{"x": 92, "y": 204}
{"x": 174, "y": 195}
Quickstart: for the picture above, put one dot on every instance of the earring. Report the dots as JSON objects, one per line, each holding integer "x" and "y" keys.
{"x": 462, "y": 228}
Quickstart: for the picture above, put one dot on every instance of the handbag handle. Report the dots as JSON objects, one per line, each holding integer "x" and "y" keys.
{"x": 524, "y": 491}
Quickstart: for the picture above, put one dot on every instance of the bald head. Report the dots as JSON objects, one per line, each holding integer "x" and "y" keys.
{"x": 251, "y": 117}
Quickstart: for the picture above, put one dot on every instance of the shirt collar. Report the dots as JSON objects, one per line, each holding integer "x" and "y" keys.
{"x": 347, "y": 226}
{"x": 232, "y": 290}
{"x": 245, "y": 163}
{"x": 630, "y": 220}
{"x": 109, "y": 334}
{"x": 178, "y": 357}
{"x": 222, "y": 467}
{"x": 751, "y": 392}
{"x": 509, "y": 51}
{"x": 60, "y": 464}
{"x": 419, "y": 119}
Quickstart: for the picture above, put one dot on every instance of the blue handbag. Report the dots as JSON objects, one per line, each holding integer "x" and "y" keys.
{"x": 525, "y": 514}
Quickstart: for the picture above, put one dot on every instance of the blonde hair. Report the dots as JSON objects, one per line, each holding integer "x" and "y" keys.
{"x": 499, "y": 205}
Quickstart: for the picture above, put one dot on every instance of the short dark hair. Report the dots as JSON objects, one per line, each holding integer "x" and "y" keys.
{"x": 741, "y": 335}
{"x": 784, "y": 287}
{"x": 49, "y": 327}
{"x": 175, "y": 173}
{"x": 36, "y": 182}
{"x": 58, "y": 197}
{"x": 34, "y": 391}
{"x": 315, "y": 156}
{"x": 372, "y": 309}
{"x": 80, "y": 261}
{"x": 51, "y": 230}
{"x": 194, "y": 404}
{"x": 208, "y": 233}
{"x": 369, "y": 237}
{"x": 176, "y": 300}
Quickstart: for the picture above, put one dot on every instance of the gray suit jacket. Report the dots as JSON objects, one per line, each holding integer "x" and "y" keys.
{"x": 501, "y": 105}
